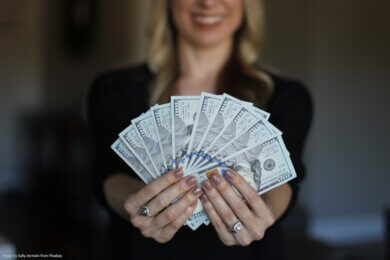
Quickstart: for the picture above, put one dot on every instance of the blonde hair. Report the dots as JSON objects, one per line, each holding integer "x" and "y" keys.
{"x": 248, "y": 43}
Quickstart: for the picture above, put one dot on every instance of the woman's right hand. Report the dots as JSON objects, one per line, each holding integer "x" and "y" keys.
{"x": 165, "y": 219}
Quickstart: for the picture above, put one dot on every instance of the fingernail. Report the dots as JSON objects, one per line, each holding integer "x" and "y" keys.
{"x": 230, "y": 174}
{"x": 197, "y": 191}
{"x": 191, "y": 180}
{"x": 216, "y": 179}
{"x": 178, "y": 173}
{"x": 204, "y": 198}
{"x": 207, "y": 185}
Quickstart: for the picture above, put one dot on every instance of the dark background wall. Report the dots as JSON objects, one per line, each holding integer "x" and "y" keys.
{"x": 339, "y": 49}
{"x": 344, "y": 49}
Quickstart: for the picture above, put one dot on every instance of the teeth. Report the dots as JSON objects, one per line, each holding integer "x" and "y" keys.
{"x": 208, "y": 19}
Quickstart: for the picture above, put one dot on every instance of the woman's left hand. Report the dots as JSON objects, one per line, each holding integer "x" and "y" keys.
{"x": 225, "y": 208}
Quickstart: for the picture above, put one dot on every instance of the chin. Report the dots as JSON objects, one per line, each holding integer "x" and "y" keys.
{"x": 209, "y": 40}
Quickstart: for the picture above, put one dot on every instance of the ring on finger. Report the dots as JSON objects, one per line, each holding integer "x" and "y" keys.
{"x": 144, "y": 211}
{"x": 237, "y": 227}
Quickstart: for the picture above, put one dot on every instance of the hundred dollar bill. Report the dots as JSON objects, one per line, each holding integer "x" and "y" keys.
{"x": 194, "y": 221}
{"x": 264, "y": 166}
{"x": 128, "y": 156}
{"x": 162, "y": 118}
{"x": 131, "y": 139}
{"x": 147, "y": 131}
{"x": 260, "y": 130}
{"x": 274, "y": 129}
{"x": 227, "y": 111}
{"x": 207, "y": 108}
{"x": 257, "y": 132}
{"x": 198, "y": 217}
{"x": 261, "y": 113}
{"x": 183, "y": 110}
{"x": 240, "y": 123}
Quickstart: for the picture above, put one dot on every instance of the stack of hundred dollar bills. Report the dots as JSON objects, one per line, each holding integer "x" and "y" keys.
{"x": 203, "y": 133}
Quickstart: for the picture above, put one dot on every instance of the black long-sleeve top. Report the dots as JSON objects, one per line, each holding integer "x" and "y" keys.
{"x": 115, "y": 98}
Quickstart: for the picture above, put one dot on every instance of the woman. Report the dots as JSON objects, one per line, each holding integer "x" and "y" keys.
{"x": 195, "y": 46}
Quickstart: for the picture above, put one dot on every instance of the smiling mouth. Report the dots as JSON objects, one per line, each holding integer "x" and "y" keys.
{"x": 208, "y": 20}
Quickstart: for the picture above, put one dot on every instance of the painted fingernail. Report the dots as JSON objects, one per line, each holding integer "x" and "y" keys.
{"x": 216, "y": 179}
{"x": 207, "y": 185}
{"x": 204, "y": 198}
{"x": 230, "y": 174}
{"x": 191, "y": 180}
{"x": 178, "y": 173}
{"x": 197, "y": 191}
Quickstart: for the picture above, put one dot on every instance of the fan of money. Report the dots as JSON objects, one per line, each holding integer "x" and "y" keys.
{"x": 204, "y": 133}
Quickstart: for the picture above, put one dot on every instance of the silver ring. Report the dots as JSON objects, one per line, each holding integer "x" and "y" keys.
{"x": 144, "y": 211}
{"x": 236, "y": 227}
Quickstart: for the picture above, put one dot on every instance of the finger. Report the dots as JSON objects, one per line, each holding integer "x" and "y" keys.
{"x": 250, "y": 195}
{"x": 220, "y": 227}
{"x": 255, "y": 202}
{"x": 162, "y": 200}
{"x": 236, "y": 203}
{"x": 140, "y": 198}
{"x": 170, "y": 214}
{"x": 171, "y": 229}
{"x": 225, "y": 212}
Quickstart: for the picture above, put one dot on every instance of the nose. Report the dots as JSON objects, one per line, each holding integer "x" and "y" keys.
{"x": 207, "y": 3}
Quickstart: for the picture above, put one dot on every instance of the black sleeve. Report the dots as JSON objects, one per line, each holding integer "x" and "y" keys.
{"x": 107, "y": 117}
{"x": 292, "y": 114}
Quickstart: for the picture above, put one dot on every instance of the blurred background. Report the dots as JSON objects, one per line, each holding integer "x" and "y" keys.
{"x": 51, "y": 50}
